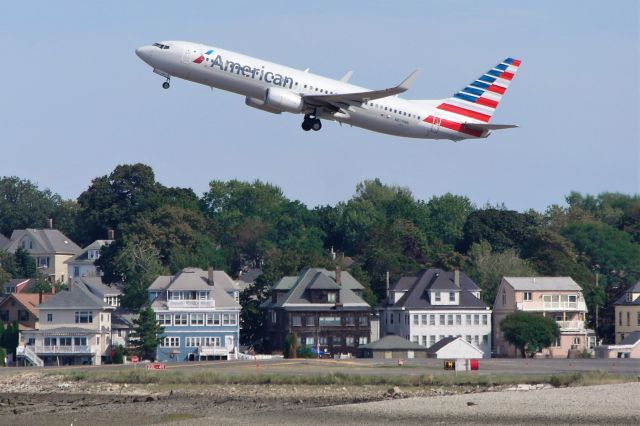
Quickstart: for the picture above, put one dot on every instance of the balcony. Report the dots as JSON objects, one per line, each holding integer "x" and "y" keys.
{"x": 191, "y": 304}
{"x": 539, "y": 306}
{"x": 571, "y": 325}
{"x": 42, "y": 349}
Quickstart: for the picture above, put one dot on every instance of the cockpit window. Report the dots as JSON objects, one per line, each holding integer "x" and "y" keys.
{"x": 160, "y": 46}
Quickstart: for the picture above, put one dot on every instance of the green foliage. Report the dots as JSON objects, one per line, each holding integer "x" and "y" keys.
{"x": 290, "y": 346}
{"x": 305, "y": 351}
{"x": 529, "y": 333}
{"x": 3, "y": 355}
{"x": 252, "y": 321}
{"x": 25, "y": 264}
{"x": 503, "y": 229}
{"x": 447, "y": 217}
{"x": 9, "y": 336}
{"x": 118, "y": 355}
{"x": 146, "y": 334}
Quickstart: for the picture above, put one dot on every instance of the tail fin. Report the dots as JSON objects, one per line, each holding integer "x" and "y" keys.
{"x": 478, "y": 101}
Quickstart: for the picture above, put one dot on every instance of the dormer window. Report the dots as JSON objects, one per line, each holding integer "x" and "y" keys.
{"x": 437, "y": 296}
{"x": 452, "y": 296}
{"x": 629, "y": 297}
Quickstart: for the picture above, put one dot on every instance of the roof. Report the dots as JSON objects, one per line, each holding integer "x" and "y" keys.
{"x": 393, "y": 342}
{"x": 96, "y": 287}
{"x": 417, "y": 290}
{"x": 24, "y": 283}
{"x": 317, "y": 279}
{"x": 83, "y": 256}
{"x": 440, "y": 344}
{"x": 542, "y": 283}
{"x": 197, "y": 279}
{"x": 77, "y": 297}
{"x": 48, "y": 240}
{"x": 3, "y": 241}
{"x": 30, "y": 301}
{"x": 622, "y": 300}
{"x": 122, "y": 318}
{"x": 250, "y": 276}
{"x": 631, "y": 338}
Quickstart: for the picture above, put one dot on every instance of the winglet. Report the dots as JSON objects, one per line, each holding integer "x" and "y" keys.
{"x": 345, "y": 78}
{"x": 404, "y": 86}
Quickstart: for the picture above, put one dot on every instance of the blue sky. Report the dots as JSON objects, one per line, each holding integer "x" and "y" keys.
{"x": 76, "y": 101}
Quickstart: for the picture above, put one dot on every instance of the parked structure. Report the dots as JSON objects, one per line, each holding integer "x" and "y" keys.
{"x": 434, "y": 305}
{"x": 627, "y": 313}
{"x": 75, "y": 328}
{"x": 392, "y": 347}
{"x": 323, "y": 309}
{"x": 199, "y": 311}
{"x": 559, "y": 298}
{"x": 23, "y": 308}
{"x": 83, "y": 264}
{"x": 454, "y": 348}
{"x": 49, "y": 247}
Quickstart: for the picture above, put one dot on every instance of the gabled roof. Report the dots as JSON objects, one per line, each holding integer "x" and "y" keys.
{"x": 30, "y": 301}
{"x": 622, "y": 300}
{"x": 417, "y": 290}
{"x": 83, "y": 256}
{"x": 75, "y": 298}
{"x": 434, "y": 349}
{"x": 391, "y": 343}
{"x": 96, "y": 287}
{"x": 542, "y": 283}
{"x": 122, "y": 318}
{"x": 318, "y": 279}
{"x": 49, "y": 240}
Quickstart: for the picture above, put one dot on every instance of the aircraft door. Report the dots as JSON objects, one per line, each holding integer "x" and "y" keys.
{"x": 435, "y": 124}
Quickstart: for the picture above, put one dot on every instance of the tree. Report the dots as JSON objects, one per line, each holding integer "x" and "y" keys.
{"x": 10, "y": 337}
{"x": 147, "y": 333}
{"x": 252, "y": 330}
{"x": 503, "y": 229}
{"x": 25, "y": 264}
{"x": 447, "y": 216}
{"x": 529, "y": 333}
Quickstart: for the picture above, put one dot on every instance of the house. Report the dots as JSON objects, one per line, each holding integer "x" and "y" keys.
{"x": 629, "y": 347}
{"x": 392, "y": 347}
{"x": 323, "y": 309}
{"x": 435, "y": 304}
{"x": 122, "y": 326}
{"x": 23, "y": 308}
{"x": 454, "y": 348}
{"x": 559, "y": 298}
{"x": 200, "y": 313}
{"x": 247, "y": 277}
{"x": 110, "y": 294}
{"x": 19, "y": 285}
{"x": 83, "y": 263}
{"x": 49, "y": 247}
{"x": 75, "y": 328}
{"x": 627, "y": 313}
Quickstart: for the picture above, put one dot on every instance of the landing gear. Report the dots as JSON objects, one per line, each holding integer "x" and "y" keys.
{"x": 166, "y": 85}
{"x": 311, "y": 123}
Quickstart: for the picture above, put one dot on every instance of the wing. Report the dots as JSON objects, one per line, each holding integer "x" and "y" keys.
{"x": 340, "y": 99}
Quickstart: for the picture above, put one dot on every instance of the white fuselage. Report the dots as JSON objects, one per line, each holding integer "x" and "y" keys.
{"x": 252, "y": 77}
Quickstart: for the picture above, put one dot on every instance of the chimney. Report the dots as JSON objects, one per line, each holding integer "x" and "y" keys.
{"x": 50, "y": 223}
{"x": 40, "y": 297}
{"x": 338, "y": 275}
{"x": 210, "y": 275}
{"x": 456, "y": 277}
{"x": 111, "y": 235}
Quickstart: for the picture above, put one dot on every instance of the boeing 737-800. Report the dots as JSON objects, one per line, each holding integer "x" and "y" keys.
{"x": 276, "y": 89}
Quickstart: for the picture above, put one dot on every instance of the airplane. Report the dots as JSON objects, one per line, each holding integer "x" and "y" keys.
{"x": 276, "y": 89}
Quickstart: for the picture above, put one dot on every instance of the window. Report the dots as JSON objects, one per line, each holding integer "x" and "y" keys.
{"x": 416, "y": 339}
{"x": 432, "y": 340}
{"x": 363, "y": 340}
{"x": 527, "y": 295}
{"x": 211, "y": 341}
{"x": 424, "y": 340}
{"x": 97, "y": 340}
{"x": 416, "y": 319}
{"x": 4, "y": 315}
{"x": 216, "y": 318}
{"x": 80, "y": 341}
{"x": 49, "y": 317}
{"x": 450, "y": 319}
{"x": 628, "y": 317}
{"x": 337, "y": 341}
{"x": 619, "y": 318}
{"x": 330, "y": 321}
{"x": 331, "y": 296}
{"x": 432, "y": 319}
{"x": 210, "y": 317}
{"x": 84, "y": 317}
{"x": 504, "y": 297}
{"x": 485, "y": 319}
{"x": 467, "y": 338}
{"x": 576, "y": 340}
{"x": 310, "y": 321}
{"x": 442, "y": 318}
{"x": 171, "y": 342}
{"x": 485, "y": 339}
{"x": 476, "y": 319}
{"x": 180, "y": 319}
{"x": 437, "y": 295}
{"x": 452, "y": 296}
{"x": 638, "y": 320}
{"x": 349, "y": 341}
{"x": 476, "y": 340}
{"x": 191, "y": 342}
{"x": 363, "y": 321}
{"x": 50, "y": 341}
{"x": 424, "y": 320}
{"x": 458, "y": 319}
{"x": 309, "y": 341}
{"x": 629, "y": 297}
{"x": 163, "y": 319}
{"x": 323, "y": 341}
{"x": 24, "y": 315}
{"x": 197, "y": 319}
{"x": 229, "y": 319}
{"x": 391, "y": 317}
{"x": 296, "y": 321}
{"x": 350, "y": 320}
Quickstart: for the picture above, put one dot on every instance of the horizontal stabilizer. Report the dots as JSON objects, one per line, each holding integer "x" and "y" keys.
{"x": 482, "y": 126}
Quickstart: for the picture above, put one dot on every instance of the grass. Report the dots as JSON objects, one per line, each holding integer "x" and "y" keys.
{"x": 204, "y": 377}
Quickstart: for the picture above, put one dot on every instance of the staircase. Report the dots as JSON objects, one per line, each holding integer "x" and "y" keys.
{"x": 31, "y": 356}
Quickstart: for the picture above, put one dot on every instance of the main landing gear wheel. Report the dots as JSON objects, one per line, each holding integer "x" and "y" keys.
{"x": 316, "y": 125}
{"x": 306, "y": 125}
{"x": 166, "y": 85}
{"x": 311, "y": 124}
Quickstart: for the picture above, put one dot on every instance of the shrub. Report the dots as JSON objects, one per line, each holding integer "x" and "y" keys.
{"x": 3, "y": 355}
{"x": 118, "y": 355}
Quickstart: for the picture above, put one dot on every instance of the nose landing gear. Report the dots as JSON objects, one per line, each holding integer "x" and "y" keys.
{"x": 166, "y": 84}
{"x": 311, "y": 123}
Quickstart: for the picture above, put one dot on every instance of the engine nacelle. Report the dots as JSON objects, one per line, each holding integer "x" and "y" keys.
{"x": 259, "y": 103}
{"x": 283, "y": 100}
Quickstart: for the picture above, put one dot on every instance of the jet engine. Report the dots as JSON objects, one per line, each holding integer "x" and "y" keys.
{"x": 259, "y": 104}
{"x": 283, "y": 100}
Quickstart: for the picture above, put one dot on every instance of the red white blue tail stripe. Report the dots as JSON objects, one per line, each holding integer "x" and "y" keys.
{"x": 477, "y": 102}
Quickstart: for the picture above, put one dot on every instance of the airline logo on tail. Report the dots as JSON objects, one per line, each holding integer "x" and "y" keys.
{"x": 478, "y": 101}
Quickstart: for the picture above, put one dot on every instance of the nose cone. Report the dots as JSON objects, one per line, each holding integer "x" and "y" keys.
{"x": 145, "y": 53}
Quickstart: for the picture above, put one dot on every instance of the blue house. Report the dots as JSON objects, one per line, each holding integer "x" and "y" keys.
{"x": 200, "y": 313}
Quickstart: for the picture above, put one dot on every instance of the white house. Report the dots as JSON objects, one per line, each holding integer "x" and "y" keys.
{"x": 454, "y": 348}
{"x": 83, "y": 264}
{"x": 433, "y": 305}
